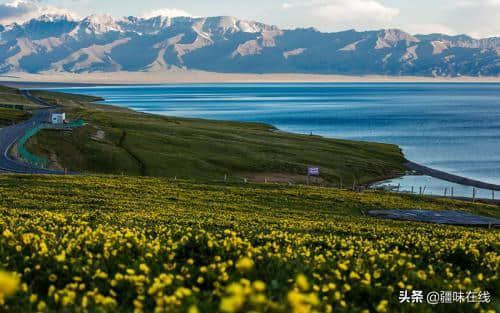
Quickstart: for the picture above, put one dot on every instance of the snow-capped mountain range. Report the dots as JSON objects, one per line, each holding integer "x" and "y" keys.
{"x": 59, "y": 43}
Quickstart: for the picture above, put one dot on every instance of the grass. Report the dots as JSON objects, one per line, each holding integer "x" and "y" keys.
{"x": 12, "y": 116}
{"x": 135, "y": 244}
{"x": 66, "y": 99}
{"x": 122, "y": 141}
{"x": 10, "y": 97}
{"x": 13, "y": 96}
{"x": 105, "y": 243}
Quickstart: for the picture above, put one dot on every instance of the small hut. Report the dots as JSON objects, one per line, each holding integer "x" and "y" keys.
{"x": 58, "y": 118}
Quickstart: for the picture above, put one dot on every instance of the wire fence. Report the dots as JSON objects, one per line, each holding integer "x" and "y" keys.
{"x": 35, "y": 159}
{"x": 28, "y": 156}
{"x": 452, "y": 191}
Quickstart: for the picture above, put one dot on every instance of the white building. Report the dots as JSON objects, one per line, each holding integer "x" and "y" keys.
{"x": 58, "y": 118}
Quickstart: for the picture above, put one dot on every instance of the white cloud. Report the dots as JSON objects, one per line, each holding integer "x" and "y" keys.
{"x": 424, "y": 29}
{"x": 20, "y": 11}
{"x": 478, "y": 18}
{"x": 166, "y": 12}
{"x": 331, "y": 14}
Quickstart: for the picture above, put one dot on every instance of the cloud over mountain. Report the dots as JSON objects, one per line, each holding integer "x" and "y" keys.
{"x": 483, "y": 14}
{"x": 166, "y": 12}
{"x": 338, "y": 13}
{"x": 22, "y": 10}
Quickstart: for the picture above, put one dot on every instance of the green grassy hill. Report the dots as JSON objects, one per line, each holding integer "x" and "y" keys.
{"x": 12, "y": 116}
{"x": 133, "y": 244}
{"x": 13, "y": 96}
{"x": 9, "y": 98}
{"x": 119, "y": 141}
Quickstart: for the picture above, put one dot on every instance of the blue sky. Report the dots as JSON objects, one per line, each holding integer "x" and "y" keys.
{"x": 478, "y": 18}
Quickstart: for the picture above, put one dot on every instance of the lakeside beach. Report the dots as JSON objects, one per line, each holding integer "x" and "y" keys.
{"x": 194, "y": 76}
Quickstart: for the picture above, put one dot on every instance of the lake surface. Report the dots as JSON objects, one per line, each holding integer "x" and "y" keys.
{"x": 450, "y": 127}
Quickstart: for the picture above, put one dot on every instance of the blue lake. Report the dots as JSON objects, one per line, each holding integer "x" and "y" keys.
{"x": 451, "y": 127}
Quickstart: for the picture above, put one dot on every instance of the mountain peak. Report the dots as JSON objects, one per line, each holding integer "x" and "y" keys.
{"x": 228, "y": 44}
{"x": 391, "y": 37}
{"x": 49, "y": 18}
{"x": 99, "y": 24}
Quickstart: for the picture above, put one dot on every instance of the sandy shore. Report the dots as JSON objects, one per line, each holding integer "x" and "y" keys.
{"x": 181, "y": 76}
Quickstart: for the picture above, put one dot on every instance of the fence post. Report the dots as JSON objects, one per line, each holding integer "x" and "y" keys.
{"x": 473, "y": 194}
{"x": 445, "y": 191}
{"x": 411, "y": 189}
{"x": 452, "y": 192}
{"x": 493, "y": 195}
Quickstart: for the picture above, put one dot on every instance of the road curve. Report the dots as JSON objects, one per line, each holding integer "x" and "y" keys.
{"x": 451, "y": 177}
{"x": 11, "y": 134}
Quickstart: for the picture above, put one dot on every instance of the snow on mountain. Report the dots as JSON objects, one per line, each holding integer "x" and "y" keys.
{"x": 51, "y": 18}
{"x": 96, "y": 25}
{"x": 145, "y": 26}
{"x": 226, "y": 44}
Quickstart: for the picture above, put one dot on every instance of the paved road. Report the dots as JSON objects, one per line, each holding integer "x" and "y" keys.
{"x": 451, "y": 177}
{"x": 11, "y": 134}
{"x": 437, "y": 217}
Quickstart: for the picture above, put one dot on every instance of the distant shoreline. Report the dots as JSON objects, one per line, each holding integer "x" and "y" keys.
{"x": 410, "y": 165}
{"x": 27, "y": 80}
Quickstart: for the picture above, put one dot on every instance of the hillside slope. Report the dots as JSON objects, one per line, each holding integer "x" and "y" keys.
{"x": 117, "y": 141}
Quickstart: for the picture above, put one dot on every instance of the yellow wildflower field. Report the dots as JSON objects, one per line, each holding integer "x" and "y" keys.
{"x": 128, "y": 244}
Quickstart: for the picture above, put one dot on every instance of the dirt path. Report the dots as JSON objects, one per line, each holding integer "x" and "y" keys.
{"x": 141, "y": 164}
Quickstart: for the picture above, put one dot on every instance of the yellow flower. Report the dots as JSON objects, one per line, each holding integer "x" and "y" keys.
{"x": 41, "y": 306}
{"x": 244, "y": 264}
{"x": 7, "y": 233}
{"x": 232, "y": 304}
{"x": 43, "y": 248}
{"x": 382, "y": 306}
{"x": 61, "y": 257}
{"x": 343, "y": 267}
{"x": 421, "y": 274}
{"x": 193, "y": 309}
{"x": 33, "y": 298}
{"x": 354, "y": 275}
{"x": 259, "y": 286}
{"x": 302, "y": 282}
{"x": 9, "y": 283}
{"x": 294, "y": 297}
